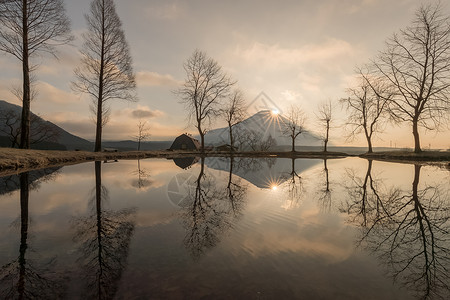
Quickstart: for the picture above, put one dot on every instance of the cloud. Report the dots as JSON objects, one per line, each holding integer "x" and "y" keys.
{"x": 145, "y": 78}
{"x": 169, "y": 11}
{"x": 274, "y": 56}
{"x": 49, "y": 93}
{"x": 141, "y": 113}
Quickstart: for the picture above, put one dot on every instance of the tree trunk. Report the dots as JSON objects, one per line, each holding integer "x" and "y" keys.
{"x": 368, "y": 138}
{"x": 417, "y": 148}
{"x": 98, "y": 206}
{"x": 24, "y": 198}
{"x": 326, "y": 137}
{"x": 369, "y": 143}
{"x": 98, "y": 131}
{"x": 26, "y": 93}
{"x": 293, "y": 144}
{"x": 231, "y": 138}
{"x": 202, "y": 136}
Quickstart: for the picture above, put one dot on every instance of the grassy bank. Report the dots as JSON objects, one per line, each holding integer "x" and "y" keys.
{"x": 18, "y": 160}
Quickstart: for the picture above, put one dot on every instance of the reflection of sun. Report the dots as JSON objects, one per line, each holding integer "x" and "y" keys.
{"x": 273, "y": 184}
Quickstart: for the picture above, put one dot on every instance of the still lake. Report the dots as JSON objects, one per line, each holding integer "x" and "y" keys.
{"x": 221, "y": 228}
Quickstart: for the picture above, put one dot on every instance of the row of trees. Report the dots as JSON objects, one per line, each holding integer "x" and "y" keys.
{"x": 29, "y": 28}
{"x": 408, "y": 82}
{"x": 208, "y": 92}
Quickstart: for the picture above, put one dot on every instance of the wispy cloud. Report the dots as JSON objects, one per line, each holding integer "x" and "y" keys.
{"x": 146, "y": 78}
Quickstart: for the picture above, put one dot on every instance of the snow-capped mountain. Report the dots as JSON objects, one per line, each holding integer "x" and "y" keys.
{"x": 265, "y": 123}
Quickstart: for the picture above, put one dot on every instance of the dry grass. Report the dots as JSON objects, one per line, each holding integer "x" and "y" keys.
{"x": 19, "y": 160}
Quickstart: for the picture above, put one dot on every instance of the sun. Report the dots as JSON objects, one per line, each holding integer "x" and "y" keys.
{"x": 275, "y": 112}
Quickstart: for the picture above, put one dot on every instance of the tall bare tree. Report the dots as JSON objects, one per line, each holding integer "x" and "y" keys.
{"x": 206, "y": 84}
{"x": 143, "y": 133}
{"x": 106, "y": 70}
{"x": 29, "y": 28}
{"x": 234, "y": 112}
{"x": 293, "y": 124}
{"x": 366, "y": 106}
{"x": 325, "y": 117}
{"x": 416, "y": 63}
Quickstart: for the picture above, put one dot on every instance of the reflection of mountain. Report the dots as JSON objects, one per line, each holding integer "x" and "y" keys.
{"x": 262, "y": 172}
{"x": 265, "y": 124}
{"x": 11, "y": 183}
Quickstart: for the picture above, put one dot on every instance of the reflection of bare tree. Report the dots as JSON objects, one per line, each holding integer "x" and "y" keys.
{"x": 294, "y": 187}
{"x": 22, "y": 279}
{"x": 236, "y": 191}
{"x": 250, "y": 164}
{"x": 325, "y": 190}
{"x": 365, "y": 201}
{"x": 410, "y": 233}
{"x": 209, "y": 211}
{"x": 143, "y": 175}
{"x": 104, "y": 238}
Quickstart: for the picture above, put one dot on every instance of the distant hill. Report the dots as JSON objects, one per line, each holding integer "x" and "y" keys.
{"x": 65, "y": 140}
{"x": 266, "y": 124}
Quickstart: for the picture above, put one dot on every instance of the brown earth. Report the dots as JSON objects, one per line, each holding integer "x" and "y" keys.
{"x": 19, "y": 160}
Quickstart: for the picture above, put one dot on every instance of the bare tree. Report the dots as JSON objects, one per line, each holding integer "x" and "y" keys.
{"x": 416, "y": 63}
{"x": 27, "y": 28}
{"x": 143, "y": 133}
{"x": 41, "y": 130}
{"x": 206, "y": 84}
{"x": 106, "y": 70}
{"x": 256, "y": 142}
{"x": 325, "y": 117}
{"x": 293, "y": 124}
{"x": 234, "y": 112}
{"x": 366, "y": 106}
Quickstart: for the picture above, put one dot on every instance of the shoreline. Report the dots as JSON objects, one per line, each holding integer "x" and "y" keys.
{"x": 14, "y": 161}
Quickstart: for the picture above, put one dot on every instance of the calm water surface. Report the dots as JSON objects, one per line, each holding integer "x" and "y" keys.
{"x": 221, "y": 228}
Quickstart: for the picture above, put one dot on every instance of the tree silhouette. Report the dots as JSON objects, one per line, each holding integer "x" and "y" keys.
{"x": 234, "y": 112}
{"x": 205, "y": 86}
{"x": 27, "y": 28}
{"x": 416, "y": 65}
{"x": 104, "y": 237}
{"x": 106, "y": 71}
{"x": 367, "y": 107}
{"x": 293, "y": 124}
{"x": 325, "y": 117}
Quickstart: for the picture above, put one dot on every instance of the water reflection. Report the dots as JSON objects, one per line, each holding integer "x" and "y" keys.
{"x": 407, "y": 230}
{"x": 209, "y": 210}
{"x": 143, "y": 175}
{"x": 27, "y": 278}
{"x": 324, "y": 193}
{"x": 294, "y": 187}
{"x": 103, "y": 238}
